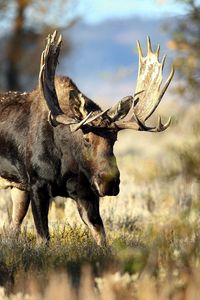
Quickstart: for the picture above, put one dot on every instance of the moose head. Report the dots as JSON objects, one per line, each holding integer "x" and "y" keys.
{"x": 96, "y": 131}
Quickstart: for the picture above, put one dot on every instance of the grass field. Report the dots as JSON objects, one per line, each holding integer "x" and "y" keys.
{"x": 153, "y": 229}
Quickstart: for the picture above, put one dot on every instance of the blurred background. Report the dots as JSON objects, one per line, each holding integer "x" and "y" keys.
{"x": 99, "y": 42}
{"x": 159, "y": 172}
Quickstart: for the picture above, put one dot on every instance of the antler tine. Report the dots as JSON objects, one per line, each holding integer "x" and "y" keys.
{"x": 89, "y": 120}
{"x": 131, "y": 121}
{"x": 53, "y": 36}
{"x": 167, "y": 82}
{"x": 41, "y": 72}
{"x": 167, "y": 124}
{"x": 139, "y": 48}
{"x": 75, "y": 127}
{"x": 158, "y": 51}
{"x": 163, "y": 62}
{"x": 161, "y": 127}
{"x": 149, "y": 47}
{"x": 59, "y": 41}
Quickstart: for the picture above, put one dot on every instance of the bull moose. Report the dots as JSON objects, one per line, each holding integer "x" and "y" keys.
{"x": 54, "y": 141}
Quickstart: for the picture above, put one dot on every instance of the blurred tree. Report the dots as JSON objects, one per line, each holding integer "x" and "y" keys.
{"x": 24, "y": 25}
{"x": 186, "y": 42}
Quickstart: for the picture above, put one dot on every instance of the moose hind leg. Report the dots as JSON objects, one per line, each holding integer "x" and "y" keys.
{"x": 20, "y": 200}
{"x": 40, "y": 199}
{"x": 89, "y": 213}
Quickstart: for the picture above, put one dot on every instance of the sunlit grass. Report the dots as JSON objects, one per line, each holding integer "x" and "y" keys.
{"x": 154, "y": 254}
{"x": 153, "y": 229}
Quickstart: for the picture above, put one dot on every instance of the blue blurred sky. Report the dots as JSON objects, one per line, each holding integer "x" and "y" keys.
{"x": 97, "y": 10}
{"x": 104, "y": 59}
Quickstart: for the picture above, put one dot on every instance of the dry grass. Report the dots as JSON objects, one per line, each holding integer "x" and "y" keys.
{"x": 153, "y": 229}
{"x": 111, "y": 287}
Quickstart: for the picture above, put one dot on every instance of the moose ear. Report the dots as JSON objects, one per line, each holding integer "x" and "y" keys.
{"x": 121, "y": 109}
{"x": 77, "y": 105}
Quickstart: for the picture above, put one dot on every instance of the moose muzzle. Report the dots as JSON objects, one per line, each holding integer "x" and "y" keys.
{"x": 106, "y": 184}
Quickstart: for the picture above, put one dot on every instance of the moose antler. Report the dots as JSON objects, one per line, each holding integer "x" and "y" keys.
{"x": 49, "y": 60}
{"x": 147, "y": 95}
{"x": 149, "y": 82}
{"x": 130, "y": 113}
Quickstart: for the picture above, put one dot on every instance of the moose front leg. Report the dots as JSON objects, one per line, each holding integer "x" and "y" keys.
{"x": 20, "y": 200}
{"x": 40, "y": 198}
{"x": 89, "y": 213}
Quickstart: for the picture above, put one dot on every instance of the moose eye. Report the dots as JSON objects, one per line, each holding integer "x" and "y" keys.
{"x": 87, "y": 142}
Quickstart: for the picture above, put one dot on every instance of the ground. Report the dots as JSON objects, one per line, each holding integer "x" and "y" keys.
{"x": 152, "y": 226}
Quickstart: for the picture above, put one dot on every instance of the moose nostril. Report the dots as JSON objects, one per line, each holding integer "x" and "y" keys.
{"x": 105, "y": 184}
{"x": 106, "y": 177}
{"x": 96, "y": 185}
